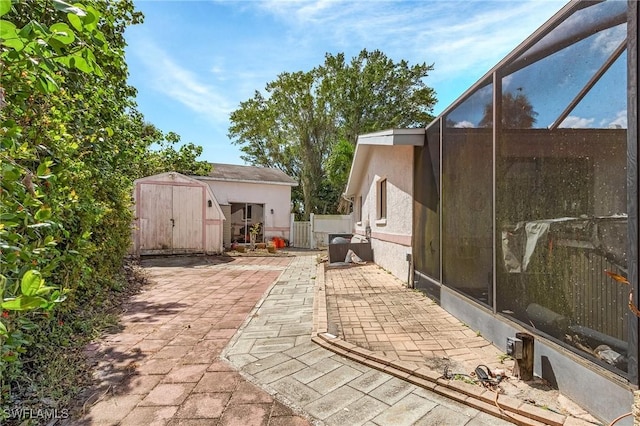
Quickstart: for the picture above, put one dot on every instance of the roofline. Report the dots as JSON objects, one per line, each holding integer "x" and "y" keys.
{"x": 367, "y": 142}
{"x": 270, "y": 182}
{"x": 144, "y": 178}
{"x": 390, "y": 137}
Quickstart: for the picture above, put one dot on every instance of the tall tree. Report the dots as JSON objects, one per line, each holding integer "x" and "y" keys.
{"x": 297, "y": 124}
{"x": 517, "y": 112}
{"x": 291, "y": 130}
{"x": 338, "y": 167}
{"x": 372, "y": 92}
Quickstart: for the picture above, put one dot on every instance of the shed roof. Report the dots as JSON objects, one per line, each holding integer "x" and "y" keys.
{"x": 248, "y": 174}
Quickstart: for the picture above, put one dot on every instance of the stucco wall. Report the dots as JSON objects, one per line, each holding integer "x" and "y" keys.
{"x": 392, "y": 257}
{"x": 390, "y": 238}
{"x": 276, "y": 197}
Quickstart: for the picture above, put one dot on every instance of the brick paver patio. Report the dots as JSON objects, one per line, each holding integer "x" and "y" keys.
{"x": 163, "y": 367}
{"x": 369, "y": 308}
{"x": 244, "y": 341}
{"x": 366, "y": 314}
{"x": 274, "y": 349}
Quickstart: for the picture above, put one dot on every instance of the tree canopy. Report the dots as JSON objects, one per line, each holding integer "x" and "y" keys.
{"x": 517, "y": 112}
{"x": 305, "y": 121}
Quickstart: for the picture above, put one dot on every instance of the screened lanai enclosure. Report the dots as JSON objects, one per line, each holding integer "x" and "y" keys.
{"x": 521, "y": 188}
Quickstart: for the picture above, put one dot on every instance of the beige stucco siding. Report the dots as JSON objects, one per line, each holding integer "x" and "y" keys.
{"x": 391, "y": 238}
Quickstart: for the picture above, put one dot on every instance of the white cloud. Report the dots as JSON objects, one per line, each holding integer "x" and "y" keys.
{"x": 506, "y": 82}
{"x": 620, "y": 122}
{"x": 181, "y": 84}
{"x": 219, "y": 71}
{"x": 608, "y": 40}
{"x": 462, "y": 38}
{"x": 464, "y": 125}
{"x": 573, "y": 122}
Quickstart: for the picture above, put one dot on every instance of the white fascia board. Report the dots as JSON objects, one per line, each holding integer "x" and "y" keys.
{"x": 358, "y": 168}
{"x": 266, "y": 182}
{"x": 412, "y": 137}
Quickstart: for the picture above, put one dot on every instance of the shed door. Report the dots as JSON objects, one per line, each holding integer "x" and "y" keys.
{"x": 187, "y": 217}
{"x": 171, "y": 218}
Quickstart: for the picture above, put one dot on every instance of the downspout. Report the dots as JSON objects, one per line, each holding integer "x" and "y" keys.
{"x": 410, "y": 283}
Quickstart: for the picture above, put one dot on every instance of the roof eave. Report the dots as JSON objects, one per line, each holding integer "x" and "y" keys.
{"x": 245, "y": 181}
{"x": 413, "y": 137}
{"x": 366, "y": 142}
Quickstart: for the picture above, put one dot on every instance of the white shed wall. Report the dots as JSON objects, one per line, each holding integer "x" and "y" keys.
{"x": 276, "y": 197}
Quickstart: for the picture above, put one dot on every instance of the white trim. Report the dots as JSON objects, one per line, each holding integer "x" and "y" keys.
{"x": 245, "y": 181}
{"x": 389, "y": 137}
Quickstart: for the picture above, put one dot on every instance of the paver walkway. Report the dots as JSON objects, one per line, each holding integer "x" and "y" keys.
{"x": 370, "y": 316}
{"x": 163, "y": 366}
{"x": 369, "y": 308}
{"x": 220, "y": 341}
{"x": 274, "y": 349}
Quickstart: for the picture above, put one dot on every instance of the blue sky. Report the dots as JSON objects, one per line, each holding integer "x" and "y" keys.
{"x": 193, "y": 62}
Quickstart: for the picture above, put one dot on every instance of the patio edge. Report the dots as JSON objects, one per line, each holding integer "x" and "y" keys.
{"x": 505, "y": 408}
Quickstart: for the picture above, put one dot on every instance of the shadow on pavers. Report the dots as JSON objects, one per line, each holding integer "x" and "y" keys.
{"x": 184, "y": 261}
{"x": 115, "y": 368}
{"x": 114, "y": 373}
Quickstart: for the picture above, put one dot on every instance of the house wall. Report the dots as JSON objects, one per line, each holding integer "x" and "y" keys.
{"x": 390, "y": 238}
{"x": 276, "y": 197}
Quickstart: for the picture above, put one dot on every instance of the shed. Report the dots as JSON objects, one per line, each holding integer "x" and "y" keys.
{"x": 251, "y": 195}
{"x": 176, "y": 214}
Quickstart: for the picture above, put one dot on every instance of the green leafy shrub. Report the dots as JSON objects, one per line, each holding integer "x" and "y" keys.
{"x": 71, "y": 145}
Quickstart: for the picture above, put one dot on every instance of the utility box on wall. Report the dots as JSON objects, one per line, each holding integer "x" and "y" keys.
{"x": 514, "y": 347}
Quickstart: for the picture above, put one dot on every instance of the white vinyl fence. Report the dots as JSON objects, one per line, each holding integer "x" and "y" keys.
{"x": 314, "y": 233}
{"x": 300, "y": 234}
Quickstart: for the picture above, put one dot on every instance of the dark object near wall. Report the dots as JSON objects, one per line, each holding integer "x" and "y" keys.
{"x": 338, "y": 251}
{"x": 346, "y": 237}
